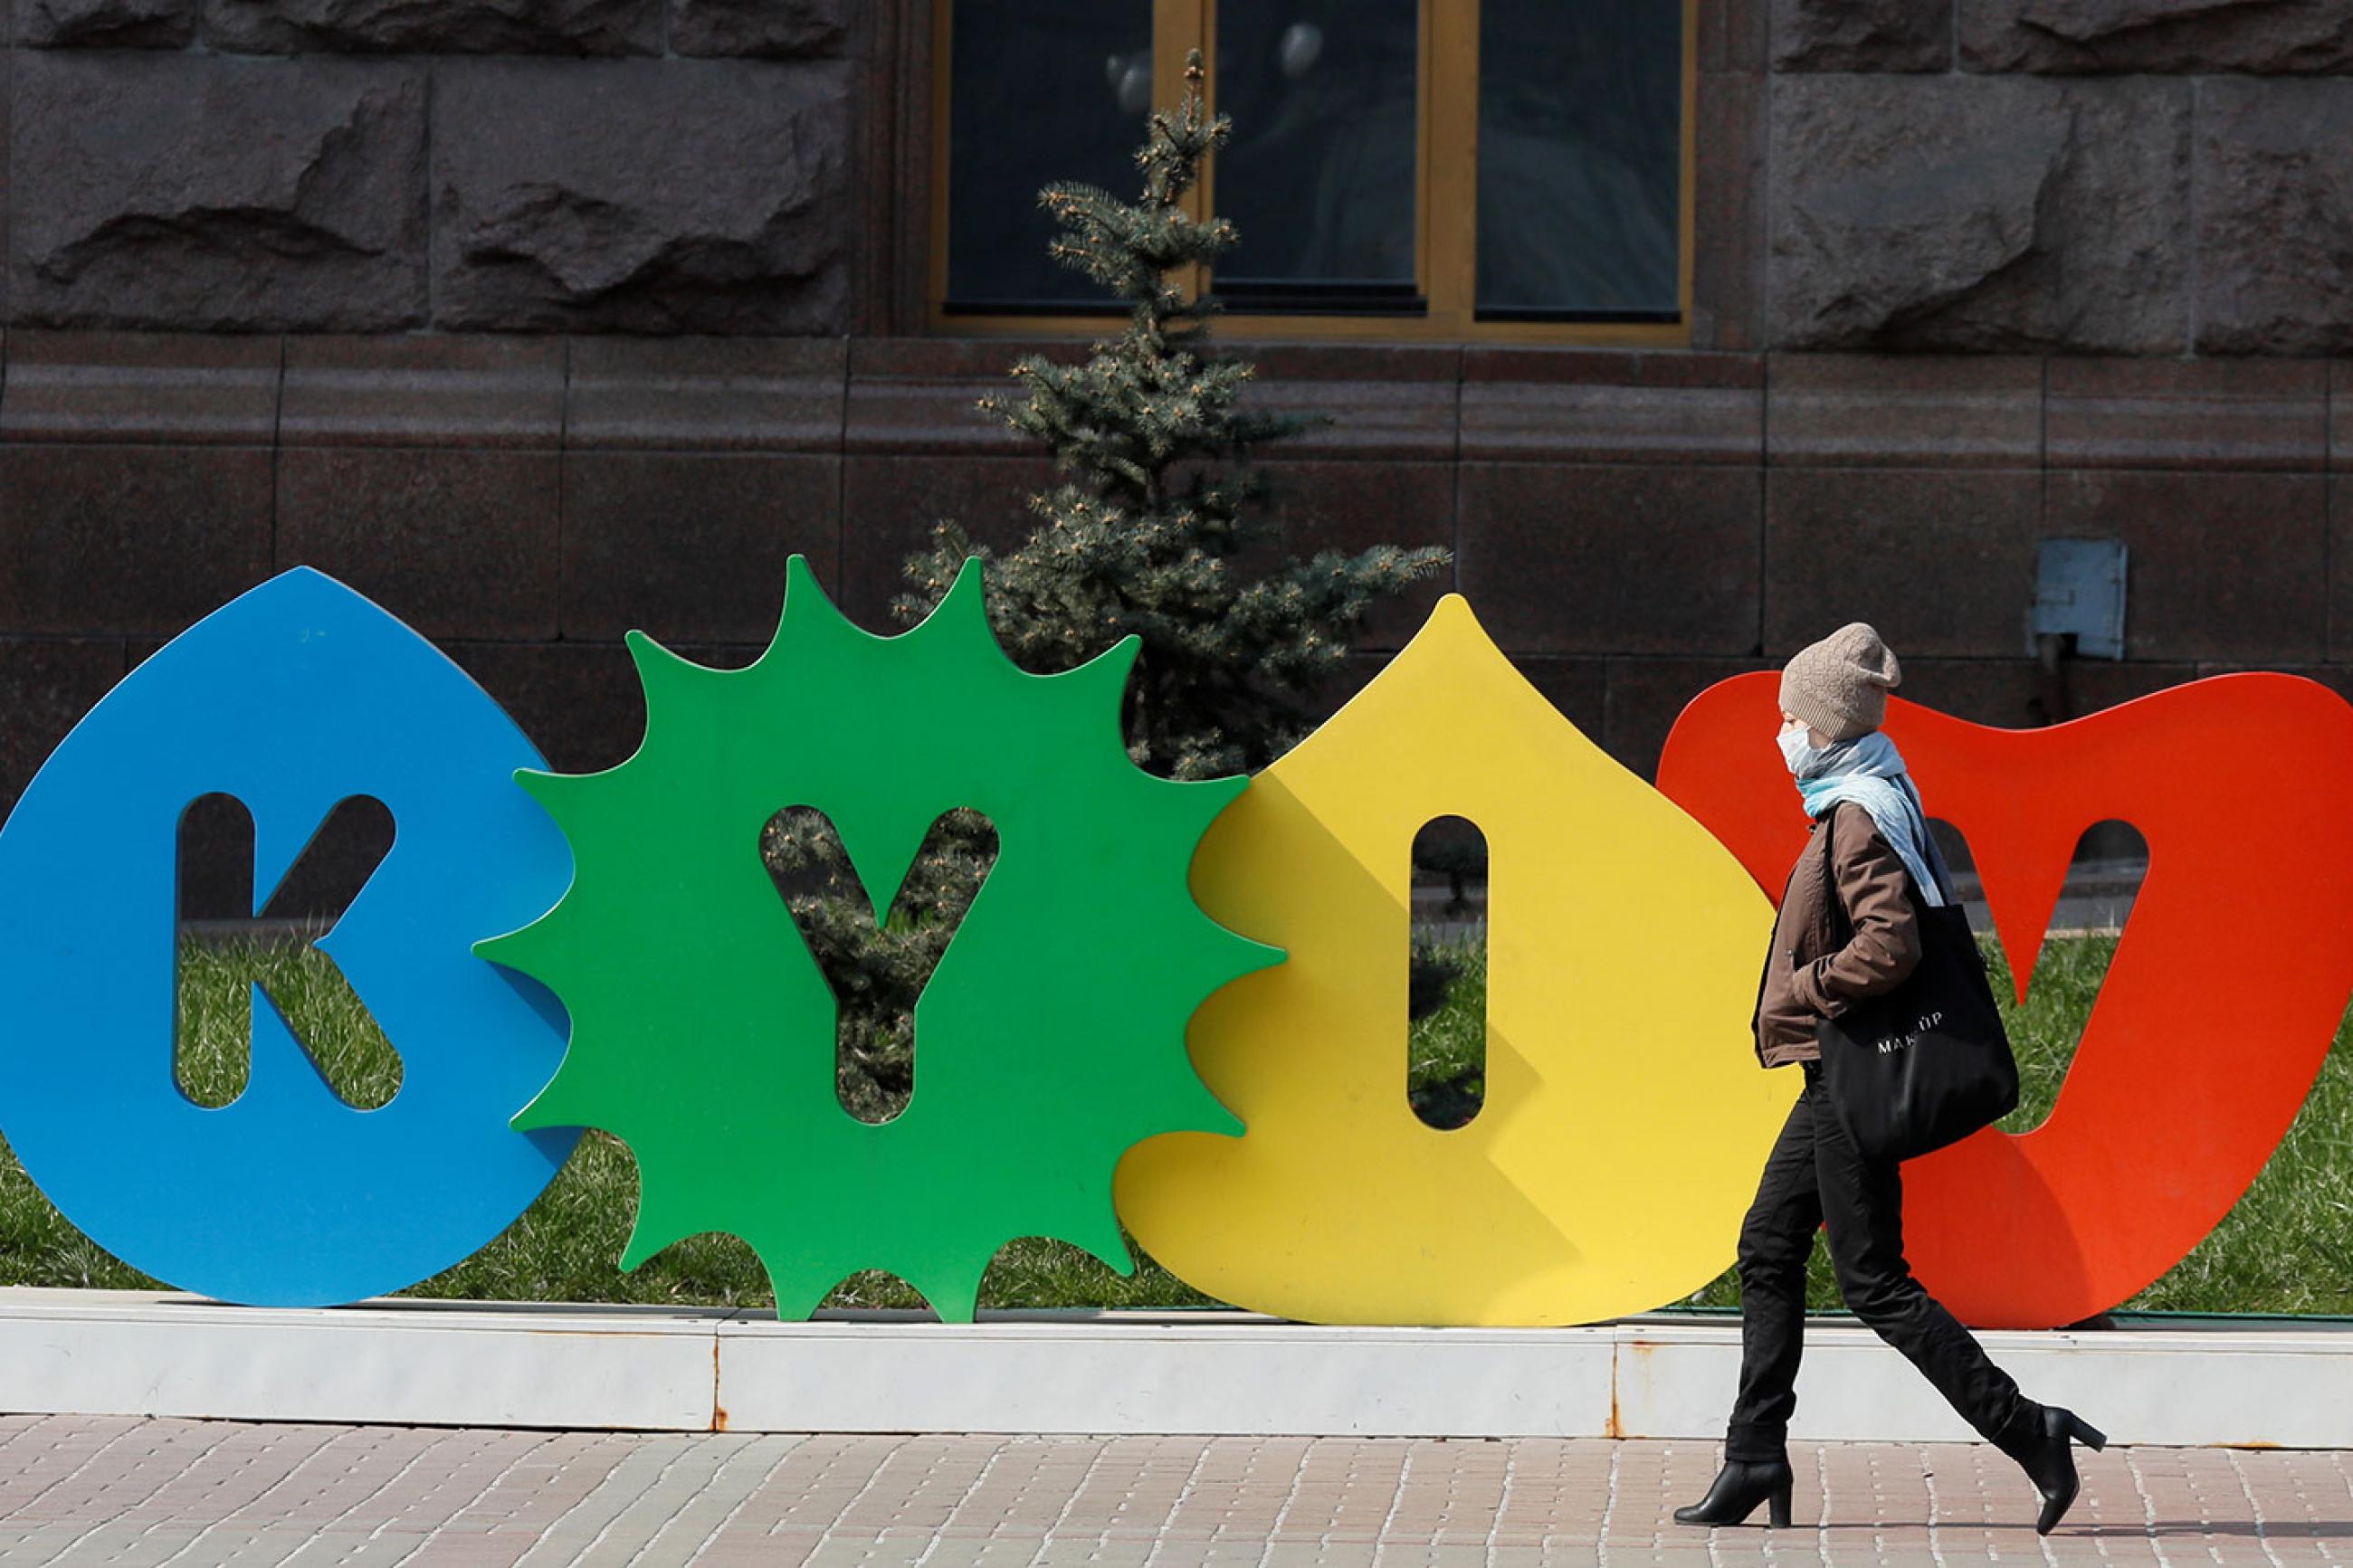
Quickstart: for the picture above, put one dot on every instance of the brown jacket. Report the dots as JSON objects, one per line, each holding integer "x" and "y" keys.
{"x": 1846, "y": 931}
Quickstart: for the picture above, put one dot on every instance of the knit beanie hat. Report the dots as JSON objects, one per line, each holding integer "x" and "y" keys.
{"x": 1840, "y": 684}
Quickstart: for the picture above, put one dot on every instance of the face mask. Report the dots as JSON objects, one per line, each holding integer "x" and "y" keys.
{"x": 1796, "y": 750}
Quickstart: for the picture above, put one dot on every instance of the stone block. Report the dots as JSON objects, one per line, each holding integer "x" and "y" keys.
{"x": 1639, "y": 369}
{"x": 2014, "y": 694}
{"x": 1389, "y": 400}
{"x": 1728, "y": 208}
{"x": 426, "y": 390}
{"x": 1320, "y": 505}
{"x": 1577, "y": 406}
{"x": 179, "y": 388}
{"x": 458, "y": 544}
{"x": 47, "y": 684}
{"x": 916, "y": 395}
{"x": 2074, "y": 38}
{"x": 2340, "y": 563}
{"x": 1733, "y": 34}
{"x": 2187, "y": 414}
{"x": 778, "y": 395}
{"x": 105, "y": 24}
{"x": 1862, "y": 34}
{"x": 888, "y": 505}
{"x": 690, "y": 546}
{"x": 785, "y": 29}
{"x": 2093, "y": 684}
{"x": 1645, "y": 696}
{"x": 2223, "y": 566}
{"x": 1941, "y": 561}
{"x": 203, "y": 193}
{"x": 927, "y": 416}
{"x": 8, "y": 78}
{"x": 1577, "y": 688}
{"x": 654, "y": 197}
{"x": 1956, "y": 213}
{"x": 1393, "y": 400}
{"x": 1355, "y": 672}
{"x": 449, "y": 28}
{"x": 2340, "y": 415}
{"x": 579, "y": 702}
{"x": 2276, "y": 216}
{"x": 949, "y": 359}
{"x": 1559, "y": 558}
{"x": 1911, "y": 410}
{"x": 128, "y": 539}
{"x": 2005, "y": 692}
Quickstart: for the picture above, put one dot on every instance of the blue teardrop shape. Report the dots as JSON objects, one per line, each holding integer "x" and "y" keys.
{"x": 290, "y": 697}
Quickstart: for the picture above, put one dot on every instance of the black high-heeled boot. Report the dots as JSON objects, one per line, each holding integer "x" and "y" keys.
{"x": 1739, "y": 1487}
{"x": 2050, "y": 1463}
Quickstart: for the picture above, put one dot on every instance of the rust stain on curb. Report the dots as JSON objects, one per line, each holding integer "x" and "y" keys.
{"x": 718, "y": 1410}
{"x": 1616, "y": 1428}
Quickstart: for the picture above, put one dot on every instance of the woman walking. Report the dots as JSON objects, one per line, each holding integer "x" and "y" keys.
{"x": 1848, "y": 931}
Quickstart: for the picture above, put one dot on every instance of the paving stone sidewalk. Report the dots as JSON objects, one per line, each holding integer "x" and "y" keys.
{"x": 190, "y": 1493}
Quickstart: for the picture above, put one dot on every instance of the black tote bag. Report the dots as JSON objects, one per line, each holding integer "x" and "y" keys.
{"x": 1928, "y": 1063}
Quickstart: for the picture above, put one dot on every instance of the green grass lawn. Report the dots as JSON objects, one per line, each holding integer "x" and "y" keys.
{"x": 2287, "y": 1247}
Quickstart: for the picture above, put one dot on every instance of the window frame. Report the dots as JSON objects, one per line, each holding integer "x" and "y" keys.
{"x": 1446, "y": 165}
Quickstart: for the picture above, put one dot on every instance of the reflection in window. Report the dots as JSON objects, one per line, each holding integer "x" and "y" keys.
{"x": 1040, "y": 90}
{"x": 1319, "y": 178}
{"x": 1580, "y": 133}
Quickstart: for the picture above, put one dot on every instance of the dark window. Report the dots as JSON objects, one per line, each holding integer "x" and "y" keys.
{"x": 1435, "y": 164}
{"x": 1039, "y": 90}
{"x": 1321, "y": 177}
{"x": 1581, "y": 159}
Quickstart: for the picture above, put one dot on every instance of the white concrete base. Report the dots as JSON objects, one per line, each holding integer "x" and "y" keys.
{"x": 473, "y": 1363}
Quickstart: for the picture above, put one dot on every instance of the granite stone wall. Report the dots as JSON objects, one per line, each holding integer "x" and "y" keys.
{"x": 2158, "y": 177}
{"x": 542, "y": 318}
{"x": 1631, "y": 527}
{"x": 468, "y": 165}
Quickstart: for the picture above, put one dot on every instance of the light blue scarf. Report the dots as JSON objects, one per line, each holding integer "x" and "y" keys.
{"x": 1869, "y": 770}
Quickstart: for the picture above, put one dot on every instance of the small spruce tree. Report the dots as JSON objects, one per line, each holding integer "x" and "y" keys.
{"x": 1144, "y": 536}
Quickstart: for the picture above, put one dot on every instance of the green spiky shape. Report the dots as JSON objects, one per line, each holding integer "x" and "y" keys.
{"x": 1050, "y": 1038}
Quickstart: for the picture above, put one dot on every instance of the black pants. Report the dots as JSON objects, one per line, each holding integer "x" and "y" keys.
{"x": 1815, "y": 1176}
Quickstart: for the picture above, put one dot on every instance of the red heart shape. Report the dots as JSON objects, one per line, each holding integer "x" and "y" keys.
{"x": 2221, "y": 1004}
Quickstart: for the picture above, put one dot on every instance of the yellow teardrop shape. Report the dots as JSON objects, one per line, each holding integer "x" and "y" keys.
{"x": 1625, "y": 1120}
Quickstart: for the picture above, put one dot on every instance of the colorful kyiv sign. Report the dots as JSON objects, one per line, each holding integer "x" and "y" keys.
{"x": 607, "y": 951}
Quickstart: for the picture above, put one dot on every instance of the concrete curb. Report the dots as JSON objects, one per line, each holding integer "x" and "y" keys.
{"x": 491, "y": 1364}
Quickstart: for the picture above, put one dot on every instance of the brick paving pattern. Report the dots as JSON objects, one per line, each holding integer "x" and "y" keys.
{"x": 185, "y": 1494}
